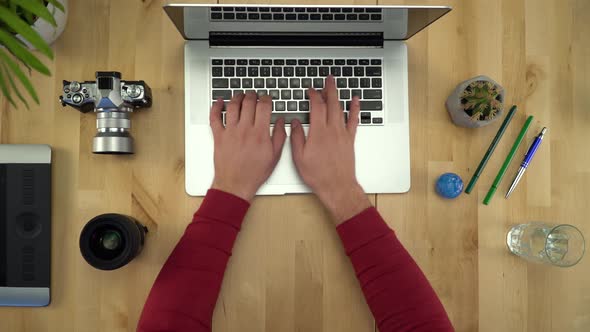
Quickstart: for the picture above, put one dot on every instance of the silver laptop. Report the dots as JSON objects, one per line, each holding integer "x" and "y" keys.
{"x": 282, "y": 50}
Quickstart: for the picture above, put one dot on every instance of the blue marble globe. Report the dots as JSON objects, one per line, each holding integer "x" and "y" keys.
{"x": 449, "y": 185}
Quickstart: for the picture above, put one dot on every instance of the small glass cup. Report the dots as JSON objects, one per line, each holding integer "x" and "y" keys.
{"x": 559, "y": 245}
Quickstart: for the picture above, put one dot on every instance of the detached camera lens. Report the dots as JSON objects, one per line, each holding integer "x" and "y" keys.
{"x": 110, "y": 241}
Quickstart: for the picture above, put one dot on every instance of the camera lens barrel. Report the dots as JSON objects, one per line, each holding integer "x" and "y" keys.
{"x": 110, "y": 241}
{"x": 113, "y": 133}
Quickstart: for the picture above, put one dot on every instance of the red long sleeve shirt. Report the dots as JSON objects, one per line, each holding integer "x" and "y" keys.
{"x": 185, "y": 292}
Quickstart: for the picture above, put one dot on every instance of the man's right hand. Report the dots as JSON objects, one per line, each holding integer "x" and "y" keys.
{"x": 325, "y": 161}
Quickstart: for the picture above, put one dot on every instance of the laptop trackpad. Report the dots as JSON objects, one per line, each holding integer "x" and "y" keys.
{"x": 285, "y": 173}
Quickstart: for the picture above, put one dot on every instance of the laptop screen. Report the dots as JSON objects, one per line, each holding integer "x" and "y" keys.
{"x": 393, "y": 22}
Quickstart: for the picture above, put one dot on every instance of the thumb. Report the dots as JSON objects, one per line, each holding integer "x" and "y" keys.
{"x": 297, "y": 141}
{"x": 278, "y": 138}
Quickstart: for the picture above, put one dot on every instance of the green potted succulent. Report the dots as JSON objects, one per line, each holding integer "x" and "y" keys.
{"x": 27, "y": 25}
{"x": 476, "y": 102}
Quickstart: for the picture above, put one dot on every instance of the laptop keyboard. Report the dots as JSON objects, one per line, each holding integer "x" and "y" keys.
{"x": 294, "y": 14}
{"x": 287, "y": 81}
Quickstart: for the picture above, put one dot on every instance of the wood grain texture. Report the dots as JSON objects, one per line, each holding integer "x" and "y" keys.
{"x": 289, "y": 271}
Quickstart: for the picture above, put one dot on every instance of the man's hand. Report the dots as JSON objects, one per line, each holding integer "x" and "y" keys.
{"x": 245, "y": 153}
{"x": 325, "y": 160}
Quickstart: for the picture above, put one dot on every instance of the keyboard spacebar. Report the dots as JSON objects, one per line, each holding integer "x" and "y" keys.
{"x": 303, "y": 117}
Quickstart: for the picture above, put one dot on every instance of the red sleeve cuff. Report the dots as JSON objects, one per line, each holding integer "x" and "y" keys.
{"x": 225, "y": 207}
{"x": 362, "y": 229}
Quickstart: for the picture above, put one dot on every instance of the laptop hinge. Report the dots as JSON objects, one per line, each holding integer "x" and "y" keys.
{"x": 290, "y": 39}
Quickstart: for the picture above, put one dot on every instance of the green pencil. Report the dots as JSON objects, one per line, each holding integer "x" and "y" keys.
{"x": 509, "y": 158}
{"x": 491, "y": 149}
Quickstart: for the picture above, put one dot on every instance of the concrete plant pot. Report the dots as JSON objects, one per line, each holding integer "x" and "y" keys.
{"x": 455, "y": 107}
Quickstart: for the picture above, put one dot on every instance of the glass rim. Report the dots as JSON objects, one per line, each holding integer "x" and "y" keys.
{"x": 583, "y": 245}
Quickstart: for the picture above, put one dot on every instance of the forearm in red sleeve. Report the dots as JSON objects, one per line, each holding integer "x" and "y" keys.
{"x": 185, "y": 292}
{"x": 397, "y": 292}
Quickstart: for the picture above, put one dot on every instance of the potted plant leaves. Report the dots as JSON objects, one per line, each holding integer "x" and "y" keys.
{"x": 26, "y": 25}
{"x": 476, "y": 102}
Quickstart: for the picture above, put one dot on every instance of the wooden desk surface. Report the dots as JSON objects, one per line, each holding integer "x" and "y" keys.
{"x": 288, "y": 271}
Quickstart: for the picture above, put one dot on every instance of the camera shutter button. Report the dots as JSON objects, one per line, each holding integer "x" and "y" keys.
{"x": 77, "y": 98}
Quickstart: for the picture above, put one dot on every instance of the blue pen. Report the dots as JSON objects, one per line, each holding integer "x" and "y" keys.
{"x": 527, "y": 160}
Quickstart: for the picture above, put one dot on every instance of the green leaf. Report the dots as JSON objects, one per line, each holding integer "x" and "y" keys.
{"x": 57, "y": 5}
{"x": 14, "y": 88}
{"x": 5, "y": 90}
{"x": 19, "y": 73}
{"x": 36, "y": 8}
{"x": 25, "y": 30}
{"x": 22, "y": 53}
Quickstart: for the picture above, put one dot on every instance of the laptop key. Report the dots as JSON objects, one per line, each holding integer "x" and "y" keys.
{"x": 254, "y": 62}
{"x": 242, "y": 62}
{"x": 294, "y": 83}
{"x": 291, "y": 62}
{"x": 324, "y": 71}
{"x": 303, "y": 117}
{"x": 353, "y": 82}
{"x": 279, "y": 106}
{"x": 335, "y": 10}
{"x": 323, "y": 10}
{"x": 340, "y": 17}
{"x": 265, "y": 71}
{"x": 216, "y": 71}
{"x": 262, "y": 93}
{"x": 279, "y": 62}
{"x": 303, "y": 17}
{"x": 351, "y": 62}
{"x": 252, "y": 71}
{"x": 291, "y": 106}
{"x": 299, "y": 9}
{"x": 241, "y": 72}
{"x": 312, "y": 71}
{"x": 346, "y": 71}
{"x": 372, "y": 94}
{"x": 216, "y": 16}
{"x": 237, "y": 92}
{"x": 267, "y": 62}
{"x": 373, "y": 10}
{"x": 327, "y": 62}
{"x": 288, "y": 9}
{"x": 253, "y": 16}
{"x": 336, "y": 71}
{"x": 283, "y": 83}
{"x": 373, "y": 71}
{"x": 339, "y": 62}
{"x": 347, "y": 10}
{"x": 259, "y": 83}
{"x": 263, "y": 9}
{"x": 285, "y": 94}
{"x": 271, "y": 83}
{"x": 359, "y": 10}
{"x": 278, "y": 17}
{"x": 375, "y": 62}
{"x": 359, "y": 71}
{"x": 225, "y": 94}
{"x": 303, "y": 106}
{"x": 315, "y": 62}
{"x": 247, "y": 83}
{"x": 277, "y": 71}
{"x": 327, "y": 17}
{"x": 241, "y": 16}
{"x": 306, "y": 83}
{"x": 234, "y": 83}
{"x": 318, "y": 83}
{"x": 364, "y": 62}
{"x": 303, "y": 62}
{"x": 371, "y": 105}
{"x": 376, "y": 17}
{"x": 311, "y": 9}
{"x": 377, "y": 120}
{"x": 364, "y": 17}
{"x": 275, "y": 94}
{"x": 341, "y": 82}
{"x": 252, "y": 9}
{"x": 228, "y": 71}
{"x": 229, "y": 62}
{"x": 315, "y": 17}
{"x": 240, "y": 9}
{"x": 344, "y": 94}
{"x": 357, "y": 93}
{"x": 298, "y": 94}
{"x": 376, "y": 82}
{"x": 291, "y": 17}
{"x": 365, "y": 82}
{"x": 306, "y": 94}
{"x": 218, "y": 83}
{"x": 275, "y": 9}
{"x": 229, "y": 16}
{"x": 216, "y": 62}
{"x": 288, "y": 71}
{"x": 365, "y": 117}
{"x": 299, "y": 71}
{"x": 351, "y": 17}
